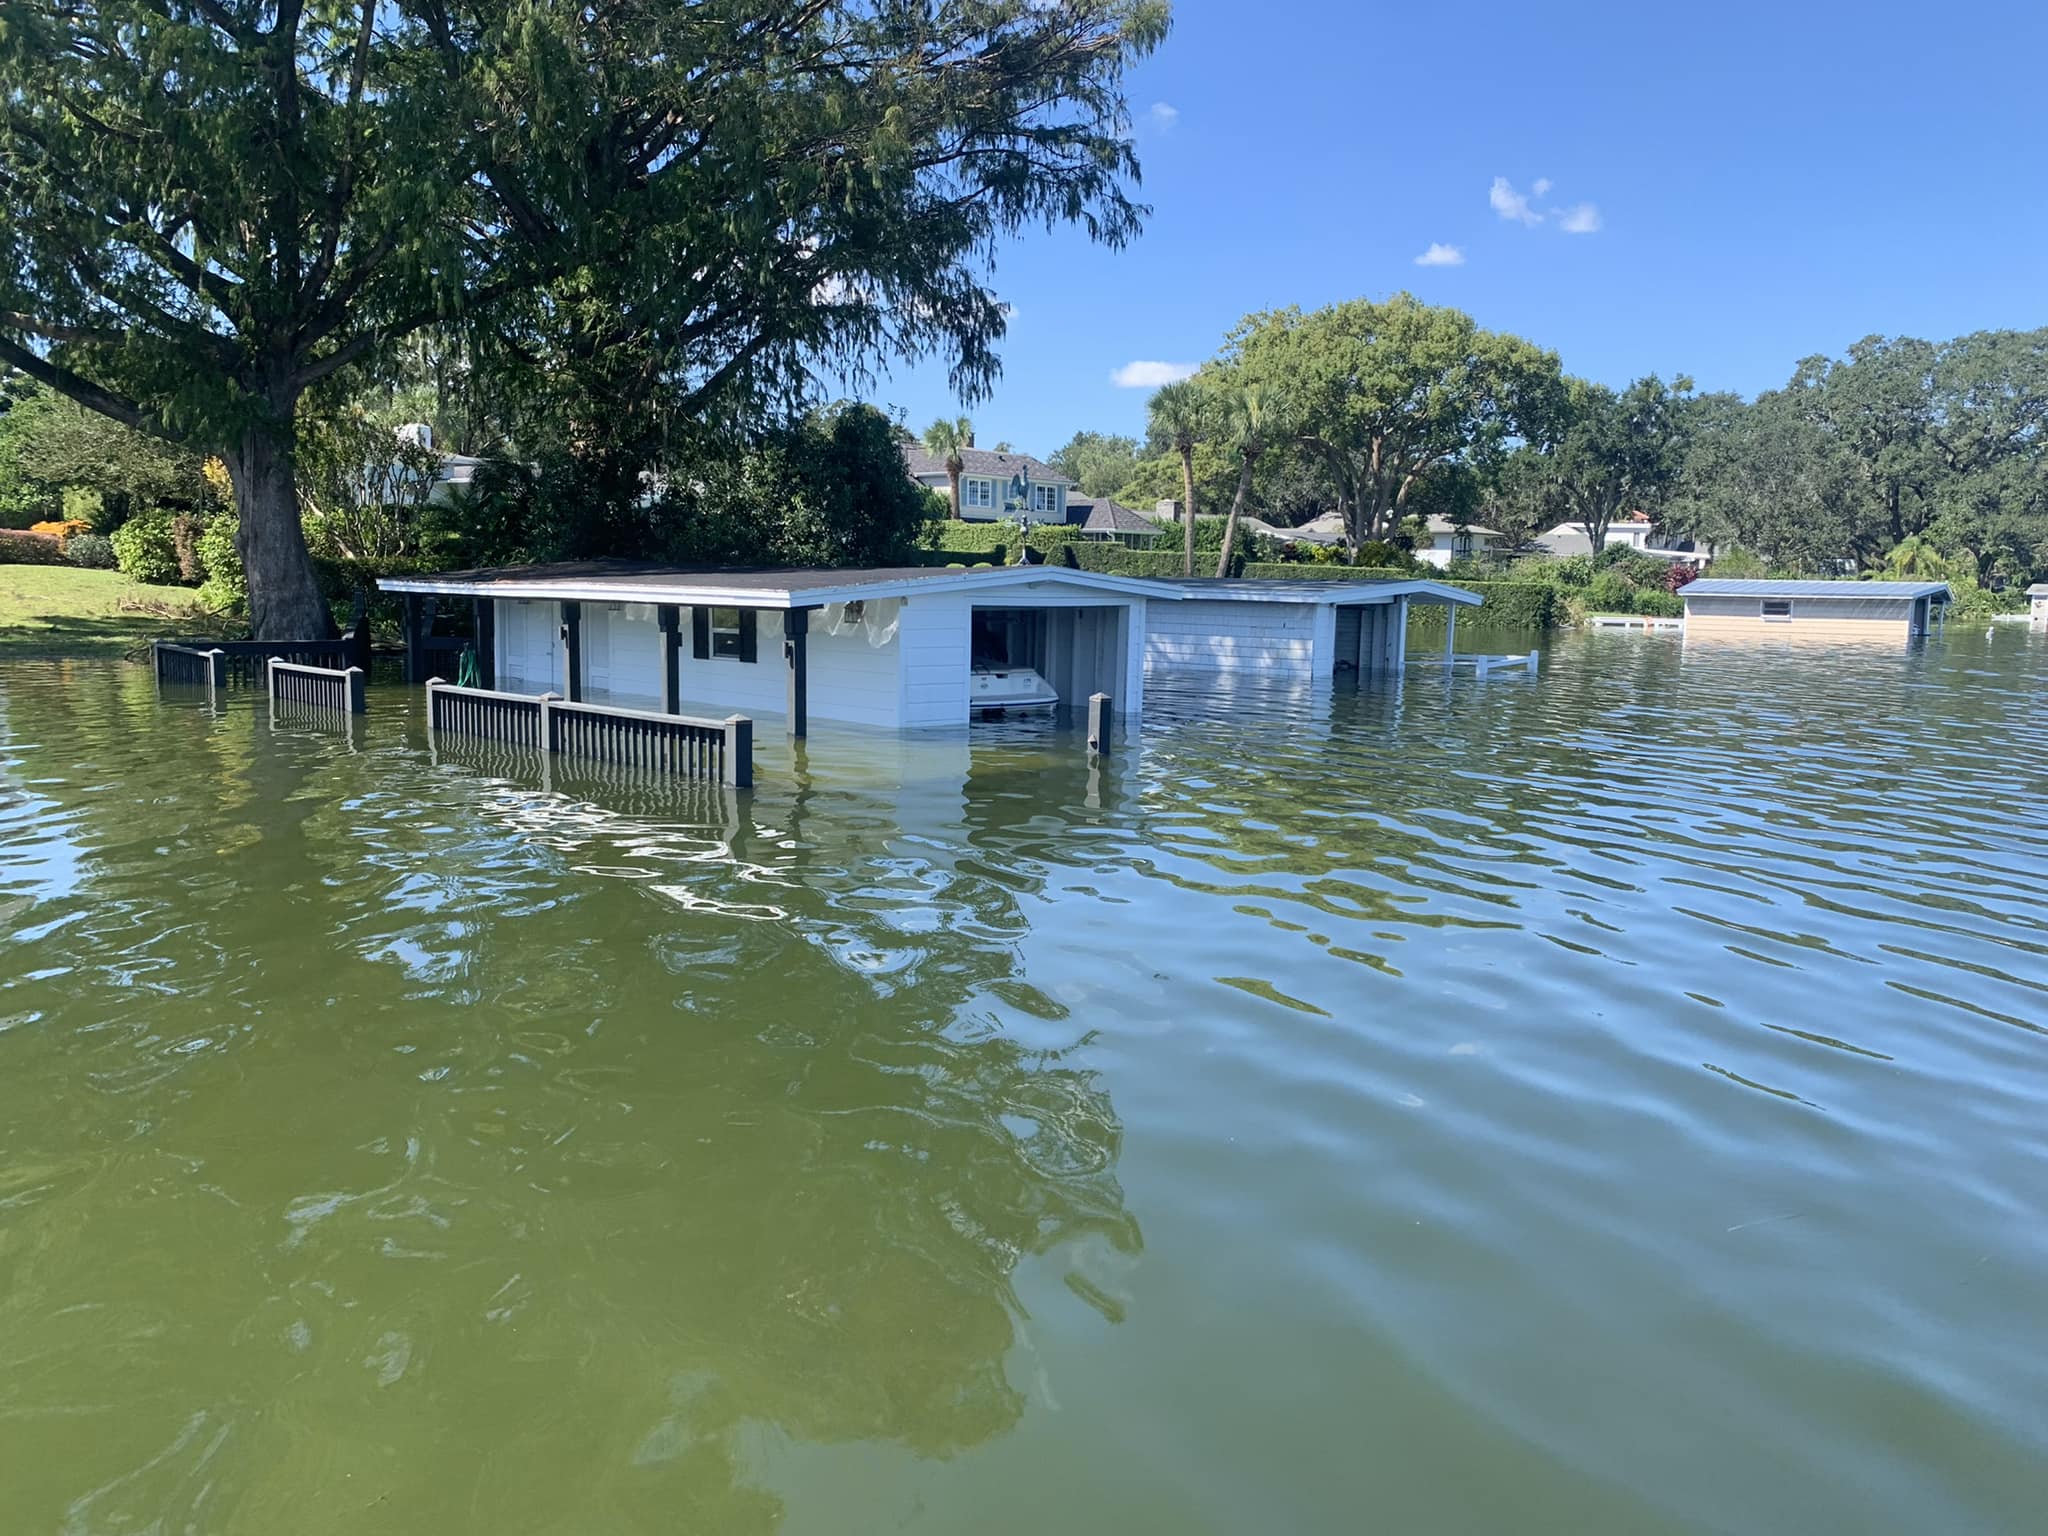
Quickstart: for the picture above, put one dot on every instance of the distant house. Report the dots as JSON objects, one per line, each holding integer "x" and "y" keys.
{"x": 1101, "y": 518}
{"x": 452, "y": 471}
{"x": 1732, "y": 609}
{"x": 2037, "y": 602}
{"x": 1634, "y": 532}
{"x": 995, "y": 485}
{"x": 1443, "y": 541}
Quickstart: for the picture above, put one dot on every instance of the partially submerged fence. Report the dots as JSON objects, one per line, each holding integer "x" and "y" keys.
{"x": 721, "y": 751}
{"x": 244, "y": 663}
{"x": 316, "y": 687}
{"x": 189, "y": 665}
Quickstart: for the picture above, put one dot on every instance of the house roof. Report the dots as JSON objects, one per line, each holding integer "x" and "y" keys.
{"x": 1846, "y": 591}
{"x": 1103, "y": 515}
{"x": 1339, "y": 592}
{"x": 644, "y": 581}
{"x": 982, "y": 461}
{"x": 1441, "y": 524}
{"x": 2038, "y": 589}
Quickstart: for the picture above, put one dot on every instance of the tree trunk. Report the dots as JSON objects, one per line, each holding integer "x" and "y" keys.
{"x": 1244, "y": 485}
{"x": 1187, "y": 485}
{"x": 284, "y": 598}
{"x": 953, "y": 478}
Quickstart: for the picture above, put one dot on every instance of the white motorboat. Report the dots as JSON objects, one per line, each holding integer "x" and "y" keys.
{"x": 992, "y": 690}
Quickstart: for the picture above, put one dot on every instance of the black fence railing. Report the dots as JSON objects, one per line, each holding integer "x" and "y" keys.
{"x": 512, "y": 719}
{"x": 718, "y": 751}
{"x": 340, "y": 690}
{"x": 190, "y": 665}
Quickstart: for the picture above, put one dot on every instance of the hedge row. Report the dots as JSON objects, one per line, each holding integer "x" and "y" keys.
{"x": 1509, "y": 605}
{"x": 1304, "y": 570}
{"x": 18, "y": 547}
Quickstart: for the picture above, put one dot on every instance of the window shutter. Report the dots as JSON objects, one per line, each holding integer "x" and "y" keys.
{"x": 700, "y": 633}
{"x": 749, "y": 643}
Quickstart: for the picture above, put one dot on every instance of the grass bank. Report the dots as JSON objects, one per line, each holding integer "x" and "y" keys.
{"x": 61, "y": 610}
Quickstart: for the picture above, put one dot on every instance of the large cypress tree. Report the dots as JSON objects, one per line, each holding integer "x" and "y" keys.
{"x": 209, "y": 206}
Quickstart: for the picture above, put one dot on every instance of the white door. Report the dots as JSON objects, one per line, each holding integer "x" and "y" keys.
{"x": 530, "y": 640}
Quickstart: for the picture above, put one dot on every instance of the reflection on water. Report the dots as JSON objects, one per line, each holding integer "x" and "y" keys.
{"x": 1610, "y": 1099}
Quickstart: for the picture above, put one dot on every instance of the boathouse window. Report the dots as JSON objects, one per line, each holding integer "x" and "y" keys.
{"x": 723, "y": 632}
{"x": 1779, "y": 608}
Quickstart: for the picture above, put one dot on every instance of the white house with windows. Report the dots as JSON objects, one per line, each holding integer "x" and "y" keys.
{"x": 995, "y": 485}
{"x": 1442, "y": 541}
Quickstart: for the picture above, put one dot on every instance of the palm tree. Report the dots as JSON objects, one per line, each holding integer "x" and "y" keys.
{"x": 943, "y": 440}
{"x": 1915, "y": 559}
{"x": 1248, "y": 436}
{"x": 1178, "y": 415}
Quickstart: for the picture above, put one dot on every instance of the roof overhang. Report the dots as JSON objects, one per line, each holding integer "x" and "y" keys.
{"x": 1333, "y": 593}
{"x": 706, "y": 589}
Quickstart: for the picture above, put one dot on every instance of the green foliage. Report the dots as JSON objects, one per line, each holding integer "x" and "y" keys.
{"x": 1658, "y": 604}
{"x": 144, "y": 548}
{"x": 1384, "y": 393}
{"x": 1738, "y": 564}
{"x": 93, "y": 551}
{"x": 1519, "y": 605}
{"x": 86, "y": 505}
{"x": 1611, "y": 592}
{"x": 1100, "y": 463}
{"x": 18, "y": 547}
{"x": 258, "y": 200}
{"x": 1291, "y": 570}
{"x": 827, "y": 490}
{"x": 225, "y": 588}
{"x": 972, "y": 538}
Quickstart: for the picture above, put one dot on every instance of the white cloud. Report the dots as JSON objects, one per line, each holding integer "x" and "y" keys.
{"x": 1542, "y": 186}
{"x": 1149, "y": 375}
{"x": 1583, "y": 219}
{"x": 1164, "y": 115}
{"x": 1512, "y": 205}
{"x": 1441, "y": 255}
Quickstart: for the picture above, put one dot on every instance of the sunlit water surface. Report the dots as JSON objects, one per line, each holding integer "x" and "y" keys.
{"x": 1609, "y": 1101}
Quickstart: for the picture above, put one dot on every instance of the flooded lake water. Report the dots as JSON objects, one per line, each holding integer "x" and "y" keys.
{"x": 1609, "y": 1101}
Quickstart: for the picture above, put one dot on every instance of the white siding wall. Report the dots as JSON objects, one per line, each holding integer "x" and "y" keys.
{"x": 850, "y": 679}
{"x": 1208, "y": 635}
{"x": 622, "y": 655}
{"x": 935, "y": 641}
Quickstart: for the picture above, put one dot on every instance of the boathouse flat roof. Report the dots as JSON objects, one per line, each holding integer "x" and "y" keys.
{"x": 1336, "y": 592}
{"x": 643, "y": 581}
{"x": 1848, "y": 591}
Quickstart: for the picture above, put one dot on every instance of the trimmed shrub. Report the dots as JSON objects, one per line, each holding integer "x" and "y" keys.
{"x": 226, "y": 588}
{"x": 93, "y": 551}
{"x": 1509, "y": 605}
{"x": 62, "y": 529}
{"x": 1611, "y": 592}
{"x": 1275, "y": 570}
{"x": 1659, "y": 604}
{"x": 144, "y": 549}
{"x": 20, "y": 547}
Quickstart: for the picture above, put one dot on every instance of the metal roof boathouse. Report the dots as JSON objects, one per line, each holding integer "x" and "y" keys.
{"x": 895, "y": 649}
{"x": 1834, "y": 611}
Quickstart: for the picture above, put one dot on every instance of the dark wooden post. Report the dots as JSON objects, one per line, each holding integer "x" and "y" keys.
{"x": 415, "y": 665}
{"x": 572, "y": 651}
{"x": 1101, "y": 713}
{"x": 358, "y": 702}
{"x": 670, "y": 617}
{"x": 486, "y": 643}
{"x": 739, "y": 752}
{"x": 796, "y": 650}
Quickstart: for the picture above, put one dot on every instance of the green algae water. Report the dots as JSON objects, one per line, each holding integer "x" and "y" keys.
{"x": 1609, "y": 1101}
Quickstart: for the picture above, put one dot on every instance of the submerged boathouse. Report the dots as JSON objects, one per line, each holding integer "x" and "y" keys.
{"x": 897, "y": 649}
{"x": 1812, "y": 610}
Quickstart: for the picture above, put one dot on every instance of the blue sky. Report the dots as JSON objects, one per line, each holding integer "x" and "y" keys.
{"x": 1770, "y": 181}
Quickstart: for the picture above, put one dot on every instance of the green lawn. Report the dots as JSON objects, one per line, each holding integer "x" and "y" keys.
{"x": 61, "y": 610}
